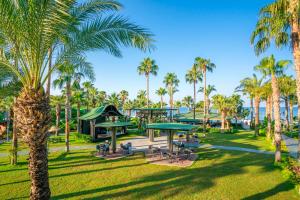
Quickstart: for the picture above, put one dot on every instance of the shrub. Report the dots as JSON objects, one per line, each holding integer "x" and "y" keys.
{"x": 291, "y": 170}
{"x": 214, "y": 130}
{"x": 82, "y": 137}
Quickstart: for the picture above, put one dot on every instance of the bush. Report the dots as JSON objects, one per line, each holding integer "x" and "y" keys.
{"x": 214, "y": 130}
{"x": 82, "y": 137}
{"x": 291, "y": 170}
{"x": 55, "y": 139}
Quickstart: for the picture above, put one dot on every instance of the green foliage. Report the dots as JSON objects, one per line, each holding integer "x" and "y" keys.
{"x": 83, "y": 137}
{"x": 214, "y": 130}
{"x": 290, "y": 169}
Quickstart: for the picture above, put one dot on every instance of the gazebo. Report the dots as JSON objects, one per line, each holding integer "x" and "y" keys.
{"x": 148, "y": 114}
{"x": 97, "y": 116}
{"x": 171, "y": 128}
{"x": 113, "y": 127}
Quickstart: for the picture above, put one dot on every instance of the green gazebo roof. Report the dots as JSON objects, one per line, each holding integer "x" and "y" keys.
{"x": 109, "y": 110}
{"x": 171, "y": 126}
{"x": 113, "y": 124}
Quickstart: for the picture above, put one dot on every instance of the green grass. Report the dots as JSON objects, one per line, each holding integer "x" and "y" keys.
{"x": 216, "y": 175}
{"x": 243, "y": 139}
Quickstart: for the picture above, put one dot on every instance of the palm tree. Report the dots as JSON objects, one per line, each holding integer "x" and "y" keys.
{"x": 177, "y": 104}
{"x": 147, "y": 67}
{"x": 221, "y": 103}
{"x": 253, "y": 87}
{"x": 77, "y": 98}
{"x": 267, "y": 96}
{"x": 93, "y": 94}
{"x": 70, "y": 74}
{"x": 161, "y": 92}
{"x": 87, "y": 86}
{"x": 188, "y": 102}
{"x": 205, "y": 65}
{"x": 74, "y": 27}
{"x": 171, "y": 81}
{"x": 279, "y": 21}
{"x": 123, "y": 96}
{"x": 192, "y": 77}
{"x": 57, "y": 101}
{"x": 209, "y": 90}
{"x": 141, "y": 99}
{"x": 269, "y": 67}
{"x": 287, "y": 87}
{"x": 113, "y": 99}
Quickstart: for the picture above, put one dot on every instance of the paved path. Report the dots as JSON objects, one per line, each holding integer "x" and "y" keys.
{"x": 56, "y": 149}
{"x": 291, "y": 144}
{"x": 141, "y": 143}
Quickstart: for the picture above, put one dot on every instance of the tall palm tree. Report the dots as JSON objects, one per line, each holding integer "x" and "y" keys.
{"x": 161, "y": 92}
{"x": 205, "y": 65}
{"x": 177, "y": 104}
{"x": 221, "y": 103}
{"x": 188, "y": 102}
{"x": 31, "y": 28}
{"x": 193, "y": 76}
{"x": 57, "y": 101}
{"x": 171, "y": 81}
{"x": 114, "y": 99}
{"x": 141, "y": 99}
{"x": 147, "y": 67}
{"x": 123, "y": 96}
{"x": 102, "y": 98}
{"x": 87, "y": 86}
{"x": 267, "y": 96}
{"x": 93, "y": 94}
{"x": 279, "y": 22}
{"x": 287, "y": 87}
{"x": 70, "y": 74}
{"x": 269, "y": 67}
{"x": 77, "y": 98}
{"x": 209, "y": 90}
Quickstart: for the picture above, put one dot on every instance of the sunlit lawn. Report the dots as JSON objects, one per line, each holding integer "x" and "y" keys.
{"x": 217, "y": 174}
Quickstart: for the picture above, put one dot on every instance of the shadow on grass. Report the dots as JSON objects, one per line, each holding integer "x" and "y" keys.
{"x": 170, "y": 182}
{"x": 285, "y": 186}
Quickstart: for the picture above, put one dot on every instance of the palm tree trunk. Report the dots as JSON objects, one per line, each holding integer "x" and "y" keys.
{"x": 14, "y": 158}
{"x": 161, "y": 101}
{"x": 204, "y": 101}
{"x": 57, "y": 113}
{"x": 78, "y": 115}
{"x": 257, "y": 102}
{"x": 269, "y": 126}
{"x": 286, "y": 103}
{"x": 194, "y": 114}
{"x": 296, "y": 55}
{"x": 147, "y": 77}
{"x": 32, "y": 113}
{"x": 291, "y": 114}
{"x": 277, "y": 131}
{"x": 67, "y": 115}
{"x": 223, "y": 117}
{"x": 49, "y": 71}
{"x": 271, "y": 109}
{"x": 8, "y": 124}
{"x": 251, "y": 112}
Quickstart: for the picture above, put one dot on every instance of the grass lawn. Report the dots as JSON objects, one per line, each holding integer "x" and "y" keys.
{"x": 243, "y": 138}
{"x": 217, "y": 174}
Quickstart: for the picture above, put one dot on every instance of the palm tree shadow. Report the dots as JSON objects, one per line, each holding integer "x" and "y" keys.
{"x": 174, "y": 181}
{"x": 285, "y": 186}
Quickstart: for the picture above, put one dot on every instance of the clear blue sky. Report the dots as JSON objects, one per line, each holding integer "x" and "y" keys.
{"x": 184, "y": 29}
